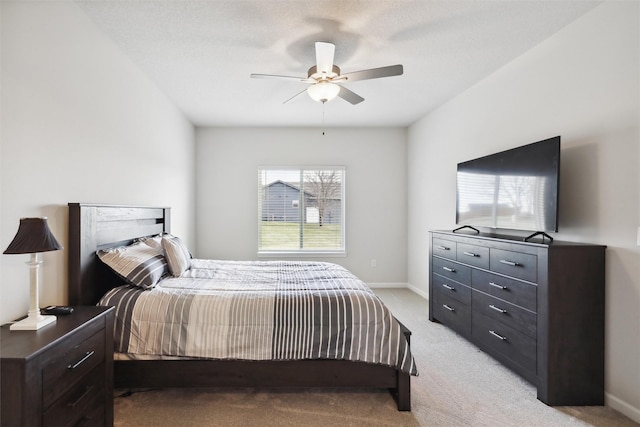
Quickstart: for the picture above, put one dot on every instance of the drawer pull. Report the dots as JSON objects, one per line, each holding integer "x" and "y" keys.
{"x": 495, "y": 285}
{"x": 471, "y": 254}
{"x": 81, "y": 361}
{"x": 498, "y": 335}
{"x": 451, "y": 288}
{"x": 493, "y": 307}
{"x": 443, "y": 248}
{"x": 448, "y": 308}
{"x": 450, "y": 270}
{"x": 511, "y": 263}
{"x": 87, "y": 390}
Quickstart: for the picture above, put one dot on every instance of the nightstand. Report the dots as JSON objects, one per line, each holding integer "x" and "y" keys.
{"x": 60, "y": 375}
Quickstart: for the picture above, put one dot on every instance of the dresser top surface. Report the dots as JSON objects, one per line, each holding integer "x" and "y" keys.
{"x": 503, "y": 238}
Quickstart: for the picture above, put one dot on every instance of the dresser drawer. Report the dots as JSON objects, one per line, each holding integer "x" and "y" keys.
{"x": 515, "y": 264}
{"x": 505, "y": 313}
{"x": 443, "y": 248}
{"x": 514, "y": 291}
{"x": 454, "y": 271}
{"x": 478, "y": 256}
{"x": 501, "y": 340}
{"x": 452, "y": 313}
{"x": 454, "y": 289}
{"x": 79, "y": 402}
{"x": 81, "y": 355}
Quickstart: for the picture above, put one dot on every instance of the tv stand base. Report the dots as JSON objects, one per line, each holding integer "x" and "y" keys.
{"x": 467, "y": 226}
{"x": 538, "y": 233}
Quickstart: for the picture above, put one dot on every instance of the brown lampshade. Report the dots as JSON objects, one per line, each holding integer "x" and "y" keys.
{"x": 33, "y": 236}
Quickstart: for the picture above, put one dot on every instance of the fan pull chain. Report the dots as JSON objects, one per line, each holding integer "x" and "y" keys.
{"x": 323, "y": 102}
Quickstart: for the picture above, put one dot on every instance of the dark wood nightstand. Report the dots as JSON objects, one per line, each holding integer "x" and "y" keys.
{"x": 59, "y": 375}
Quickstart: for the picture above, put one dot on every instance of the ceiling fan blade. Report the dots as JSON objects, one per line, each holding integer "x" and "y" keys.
{"x": 324, "y": 57}
{"x": 275, "y": 76}
{"x": 350, "y": 96}
{"x": 295, "y": 96}
{"x": 374, "y": 73}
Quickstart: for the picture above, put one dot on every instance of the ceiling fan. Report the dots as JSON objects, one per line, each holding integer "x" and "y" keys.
{"x": 326, "y": 81}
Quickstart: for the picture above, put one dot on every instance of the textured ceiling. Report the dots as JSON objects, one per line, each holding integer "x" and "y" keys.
{"x": 200, "y": 53}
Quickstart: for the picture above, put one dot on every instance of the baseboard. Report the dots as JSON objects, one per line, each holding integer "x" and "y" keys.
{"x": 387, "y": 285}
{"x": 409, "y": 286}
{"x": 422, "y": 293}
{"x": 623, "y": 407}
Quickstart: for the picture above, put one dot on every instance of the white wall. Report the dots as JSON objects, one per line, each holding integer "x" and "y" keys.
{"x": 80, "y": 123}
{"x": 376, "y": 198}
{"x": 582, "y": 84}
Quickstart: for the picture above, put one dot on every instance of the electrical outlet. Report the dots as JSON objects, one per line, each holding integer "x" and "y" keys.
{"x": 638, "y": 237}
{"x": 374, "y": 263}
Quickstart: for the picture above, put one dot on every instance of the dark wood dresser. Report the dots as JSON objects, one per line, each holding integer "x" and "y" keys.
{"x": 538, "y": 308}
{"x": 61, "y": 374}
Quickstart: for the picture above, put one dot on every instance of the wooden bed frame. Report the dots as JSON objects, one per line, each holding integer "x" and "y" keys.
{"x": 93, "y": 227}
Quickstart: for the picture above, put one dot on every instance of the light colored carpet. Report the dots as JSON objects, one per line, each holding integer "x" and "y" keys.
{"x": 458, "y": 385}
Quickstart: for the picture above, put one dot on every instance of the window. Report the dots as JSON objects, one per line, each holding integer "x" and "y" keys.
{"x": 301, "y": 210}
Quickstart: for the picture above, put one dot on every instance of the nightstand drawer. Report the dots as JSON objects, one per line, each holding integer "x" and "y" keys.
{"x": 78, "y": 402}
{"x": 82, "y": 355}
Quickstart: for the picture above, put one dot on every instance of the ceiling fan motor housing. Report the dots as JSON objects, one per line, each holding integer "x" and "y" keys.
{"x": 315, "y": 75}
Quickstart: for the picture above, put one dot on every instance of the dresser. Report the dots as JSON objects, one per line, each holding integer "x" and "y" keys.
{"x": 61, "y": 374}
{"x": 538, "y": 308}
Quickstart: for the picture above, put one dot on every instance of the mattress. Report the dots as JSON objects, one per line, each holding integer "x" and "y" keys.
{"x": 259, "y": 310}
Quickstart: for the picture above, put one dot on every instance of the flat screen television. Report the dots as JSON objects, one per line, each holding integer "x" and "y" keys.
{"x": 515, "y": 189}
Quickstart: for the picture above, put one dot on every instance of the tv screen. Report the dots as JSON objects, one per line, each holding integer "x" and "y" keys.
{"x": 514, "y": 189}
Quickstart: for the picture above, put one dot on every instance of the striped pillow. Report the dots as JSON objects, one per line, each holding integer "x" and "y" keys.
{"x": 177, "y": 254}
{"x": 139, "y": 264}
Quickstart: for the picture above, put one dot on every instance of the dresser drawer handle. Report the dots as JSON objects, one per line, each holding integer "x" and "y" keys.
{"x": 471, "y": 254}
{"x": 511, "y": 263}
{"x": 495, "y": 285}
{"x": 81, "y": 361}
{"x": 450, "y": 270}
{"x": 443, "y": 248}
{"x": 451, "y": 288}
{"x": 498, "y": 335}
{"x": 87, "y": 390}
{"x": 448, "y": 308}
{"x": 493, "y": 307}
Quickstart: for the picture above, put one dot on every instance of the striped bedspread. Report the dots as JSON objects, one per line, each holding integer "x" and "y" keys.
{"x": 259, "y": 310}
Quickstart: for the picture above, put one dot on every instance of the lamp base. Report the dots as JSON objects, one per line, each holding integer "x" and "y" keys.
{"x": 33, "y": 322}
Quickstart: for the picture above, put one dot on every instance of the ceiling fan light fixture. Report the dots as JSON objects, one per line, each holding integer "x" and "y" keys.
{"x": 323, "y": 91}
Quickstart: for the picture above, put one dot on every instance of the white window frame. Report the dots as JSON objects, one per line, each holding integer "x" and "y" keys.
{"x": 338, "y": 252}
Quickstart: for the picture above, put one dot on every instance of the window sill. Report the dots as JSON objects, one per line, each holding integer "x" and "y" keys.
{"x": 302, "y": 254}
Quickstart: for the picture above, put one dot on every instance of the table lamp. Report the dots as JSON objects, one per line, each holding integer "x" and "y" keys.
{"x": 32, "y": 238}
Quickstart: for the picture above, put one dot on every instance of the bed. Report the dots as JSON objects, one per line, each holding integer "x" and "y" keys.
{"x": 94, "y": 228}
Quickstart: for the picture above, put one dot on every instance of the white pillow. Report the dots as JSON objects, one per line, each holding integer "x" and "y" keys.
{"x": 177, "y": 255}
{"x": 154, "y": 241}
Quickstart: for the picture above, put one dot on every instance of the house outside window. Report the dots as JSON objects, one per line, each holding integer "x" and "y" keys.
{"x": 301, "y": 210}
